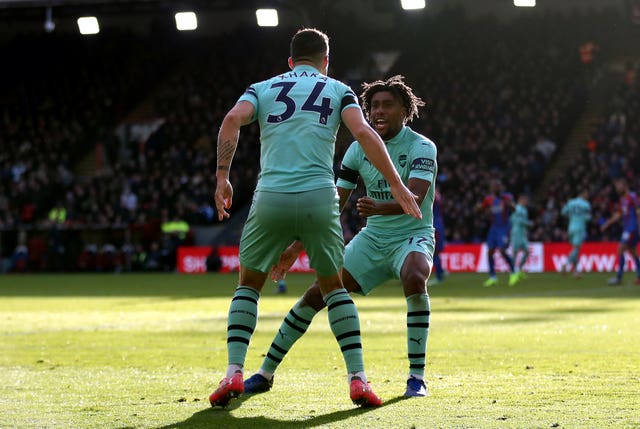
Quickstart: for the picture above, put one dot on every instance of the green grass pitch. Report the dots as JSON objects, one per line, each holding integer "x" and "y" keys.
{"x": 145, "y": 351}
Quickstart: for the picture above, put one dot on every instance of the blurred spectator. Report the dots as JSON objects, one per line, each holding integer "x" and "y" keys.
{"x": 214, "y": 262}
{"x": 153, "y": 260}
{"x": 545, "y": 147}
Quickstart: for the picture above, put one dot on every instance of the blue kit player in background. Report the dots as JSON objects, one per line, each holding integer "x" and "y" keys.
{"x": 299, "y": 113}
{"x": 519, "y": 241}
{"x": 499, "y": 205}
{"x": 578, "y": 210}
{"x": 391, "y": 246}
{"x": 438, "y": 225}
{"x": 629, "y": 212}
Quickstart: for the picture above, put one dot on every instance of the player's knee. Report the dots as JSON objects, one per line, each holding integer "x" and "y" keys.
{"x": 251, "y": 278}
{"x": 415, "y": 281}
{"x": 313, "y": 297}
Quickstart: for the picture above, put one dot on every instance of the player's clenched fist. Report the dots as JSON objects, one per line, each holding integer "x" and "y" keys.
{"x": 366, "y": 206}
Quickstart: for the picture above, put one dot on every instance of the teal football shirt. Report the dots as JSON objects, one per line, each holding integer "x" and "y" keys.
{"x": 579, "y": 212}
{"x": 519, "y": 222}
{"x": 414, "y": 156}
{"x": 299, "y": 113}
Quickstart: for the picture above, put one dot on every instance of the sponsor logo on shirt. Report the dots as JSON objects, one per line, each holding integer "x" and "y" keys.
{"x": 424, "y": 164}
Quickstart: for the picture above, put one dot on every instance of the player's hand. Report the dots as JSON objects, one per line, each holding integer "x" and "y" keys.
{"x": 287, "y": 259}
{"x": 367, "y": 206}
{"x": 407, "y": 200}
{"x": 223, "y": 197}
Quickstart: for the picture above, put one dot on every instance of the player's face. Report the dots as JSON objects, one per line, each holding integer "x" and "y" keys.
{"x": 387, "y": 114}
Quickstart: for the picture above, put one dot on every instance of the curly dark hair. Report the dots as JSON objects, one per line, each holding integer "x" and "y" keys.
{"x": 398, "y": 88}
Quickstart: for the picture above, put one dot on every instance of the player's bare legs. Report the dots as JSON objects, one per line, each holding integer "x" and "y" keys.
{"x": 622, "y": 248}
{"x": 328, "y": 284}
{"x": 253, "y": 279}
{"x": 492, "y": 280}
{"x": 572, "y": 261}
{"x": 513, "y": 276}
{"x": 634, "y": 253}
{"x": 617, "y": 280}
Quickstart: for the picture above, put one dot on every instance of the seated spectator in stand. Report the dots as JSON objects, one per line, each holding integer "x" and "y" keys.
{"x": 175, "y": 231}
{"x": 20, "y": 258}
{"x": 214, "y": 262}
{"x": 154, "y": 258}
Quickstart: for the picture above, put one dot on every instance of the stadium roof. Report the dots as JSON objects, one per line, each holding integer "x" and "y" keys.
{"x": 30, "y": 13}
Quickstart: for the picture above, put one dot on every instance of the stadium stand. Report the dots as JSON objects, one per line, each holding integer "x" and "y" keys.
{"x": 498, "y": 106}
{"x": 611, "y": 151}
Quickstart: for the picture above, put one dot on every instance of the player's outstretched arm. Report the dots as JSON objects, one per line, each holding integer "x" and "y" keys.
{"x": 374, "y": 149}
{"x": 241, "y": 114}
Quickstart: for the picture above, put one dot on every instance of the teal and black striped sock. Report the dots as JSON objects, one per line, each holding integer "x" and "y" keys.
{"x": 243, "y": 315}
{"x": 345, "y": 325}
{"x": 418, "y": 312}
{"x": 294, "y": 325}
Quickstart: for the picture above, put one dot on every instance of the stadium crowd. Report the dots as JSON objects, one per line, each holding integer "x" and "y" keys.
{"x": 611, "y": 152}
{"x": 498, "y": 106}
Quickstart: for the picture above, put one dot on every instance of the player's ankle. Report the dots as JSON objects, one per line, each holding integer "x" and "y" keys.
{"x": 359, "y": 375}
{"x": 232, "y": 369}
{"x": 266, "y": 374}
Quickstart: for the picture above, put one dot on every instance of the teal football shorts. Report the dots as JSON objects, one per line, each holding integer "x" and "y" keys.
{"x": 277, "y": 219}
{"x": 576, "y": 238}
{"x": 519, "y": 244}
{"x": 372, "y": 260}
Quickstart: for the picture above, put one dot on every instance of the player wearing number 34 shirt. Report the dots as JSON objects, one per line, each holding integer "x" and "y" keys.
{"x": 317, "y": 101}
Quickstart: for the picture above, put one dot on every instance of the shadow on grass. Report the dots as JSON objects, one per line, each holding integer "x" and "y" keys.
{"x": 221, "y": 418}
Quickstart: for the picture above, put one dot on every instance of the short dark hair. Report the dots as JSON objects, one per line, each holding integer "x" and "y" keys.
{"x": 398, "y": 88}
{"x": 309, "y": 44}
